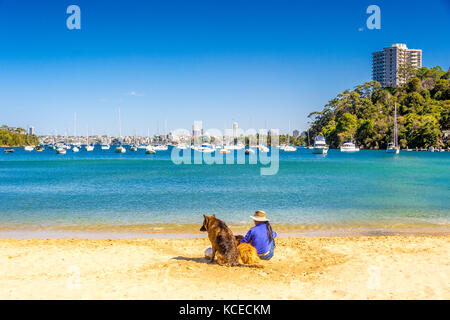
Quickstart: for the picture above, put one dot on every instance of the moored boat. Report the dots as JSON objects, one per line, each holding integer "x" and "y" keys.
{"x": 161, "y": 147}
{"x": 393, "y": 147}
{"x": 349, "y": 146}
{"x": 61, "y": 150}
{"x": 206, "y": 148}
{"x": 320, "y": 145}
{"x": 120, "y": 149}
{"x": 149, "y": 150}
{"x": 289, "y": 148}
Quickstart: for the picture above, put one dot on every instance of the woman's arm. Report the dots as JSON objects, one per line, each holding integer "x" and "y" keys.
{"x": 248, "y": 237}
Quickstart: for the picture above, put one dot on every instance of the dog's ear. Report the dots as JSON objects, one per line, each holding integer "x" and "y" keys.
{"x": 204, "y": 216}
{"x": 214, "y": 215}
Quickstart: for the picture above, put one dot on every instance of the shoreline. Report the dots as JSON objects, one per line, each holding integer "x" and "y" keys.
{"x": 190, "y": 233}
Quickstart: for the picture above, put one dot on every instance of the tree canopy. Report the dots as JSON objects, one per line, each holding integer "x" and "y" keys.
{"x": 10, "y": 136}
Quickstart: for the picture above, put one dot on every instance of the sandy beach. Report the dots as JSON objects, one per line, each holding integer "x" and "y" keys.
{"x": 373, "y": 267}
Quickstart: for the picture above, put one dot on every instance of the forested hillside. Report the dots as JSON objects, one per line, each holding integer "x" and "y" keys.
{"x": 367, "y": 113}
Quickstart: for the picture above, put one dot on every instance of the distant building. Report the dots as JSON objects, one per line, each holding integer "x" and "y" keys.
{"x": 389, "y": 67}
{"x": 296, "y": 133}
{"x": 31, "y": 130}
{"x": 235, "y": 129}
{"x": 196, "y": 129}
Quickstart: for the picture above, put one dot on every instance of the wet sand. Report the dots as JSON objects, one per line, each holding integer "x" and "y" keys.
{"x": 373, "y": 267}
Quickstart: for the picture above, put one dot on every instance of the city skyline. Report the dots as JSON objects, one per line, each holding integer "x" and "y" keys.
{"x": 169, "y": 64}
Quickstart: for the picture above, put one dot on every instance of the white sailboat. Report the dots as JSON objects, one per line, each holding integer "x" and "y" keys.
{"x": 134, "y": 146}
{"x": 88, "y": 147}
{"x": 161, "y": 147}
{"x": 393, "y": 147}
{"x": 238, "y": 146}
{"x": 148, "y": 148}
{"x": 289, "y": 147}
{"x": 320, "y": 145}
{"x": 120, "y": 148}
{"x": 249, "y": 150}
{"x": 181, "y": 146}
{"x": 106, "y": 146}
{"x": 206, "y": 148}
{"x": 76, "y": 144}
{"x": 61, "y": 150}
{"x": 28, "y": 147}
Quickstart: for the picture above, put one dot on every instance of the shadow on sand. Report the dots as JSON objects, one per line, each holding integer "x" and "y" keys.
{"x": 198, "y": 260}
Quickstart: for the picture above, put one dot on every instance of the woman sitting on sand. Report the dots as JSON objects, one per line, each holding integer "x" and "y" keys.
{"x": 261, "y": 236}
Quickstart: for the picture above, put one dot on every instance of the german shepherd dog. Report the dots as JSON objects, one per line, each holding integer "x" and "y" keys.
{"x": 226, "y": 247}
{"x": 222, "y": 241}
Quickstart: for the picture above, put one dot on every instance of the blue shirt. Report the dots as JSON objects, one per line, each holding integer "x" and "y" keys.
{"x": 258, "y": 237}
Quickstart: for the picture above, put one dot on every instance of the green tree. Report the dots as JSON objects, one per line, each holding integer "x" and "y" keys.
{"x": 367, "y": 112}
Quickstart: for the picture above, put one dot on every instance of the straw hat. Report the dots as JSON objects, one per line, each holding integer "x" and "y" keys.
{"x": 259, "y": 216}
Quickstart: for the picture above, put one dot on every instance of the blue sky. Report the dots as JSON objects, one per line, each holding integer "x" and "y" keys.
{"x": 178, "y": 61}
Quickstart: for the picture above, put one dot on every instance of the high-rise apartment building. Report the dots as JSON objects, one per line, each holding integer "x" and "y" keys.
{"x": 391, "y": 66}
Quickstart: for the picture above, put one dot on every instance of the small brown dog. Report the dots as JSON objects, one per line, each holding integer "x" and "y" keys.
{"x": 222, "y": 241}
{"x": 247, "y": 253}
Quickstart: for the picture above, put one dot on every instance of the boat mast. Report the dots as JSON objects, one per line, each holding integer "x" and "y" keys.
{"x": 395, "y": 126}
{"x": 289, "y": 130}
{"x": 120, "y": 128}
{"x": 75, "y": 126}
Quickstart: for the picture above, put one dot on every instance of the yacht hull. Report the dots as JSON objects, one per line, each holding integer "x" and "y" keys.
{"x": 320, "y": 150}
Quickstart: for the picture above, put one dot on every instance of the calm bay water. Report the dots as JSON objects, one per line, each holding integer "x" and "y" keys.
{"x": 107, "y": 189}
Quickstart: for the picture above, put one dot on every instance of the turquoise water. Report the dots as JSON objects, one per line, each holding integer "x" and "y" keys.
{"x": 104, "y": 188}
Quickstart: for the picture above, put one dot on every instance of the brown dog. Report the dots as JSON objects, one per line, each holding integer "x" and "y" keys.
{"x": 222, "y": 241}
{"x": 247, "y": 252}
